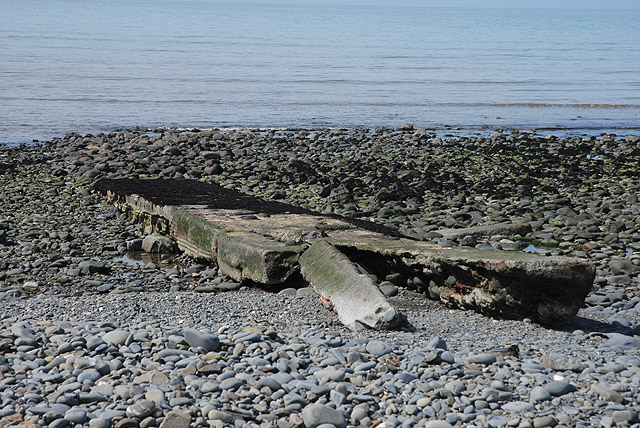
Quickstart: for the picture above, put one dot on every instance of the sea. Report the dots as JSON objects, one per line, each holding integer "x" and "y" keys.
{"x": 92, "y": 66}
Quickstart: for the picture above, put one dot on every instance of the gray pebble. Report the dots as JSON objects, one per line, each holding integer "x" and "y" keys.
{"x": 199, "y": 339}
{"x": 628, "y": 416}
{"x": 388, "y": 289}
{"x": 176, "y": 419}
{"x": 539, "y": 394}
{"x": 545, "y": 421}
{"x": 484, "y": 358}
{"x": 557, "y": 388}
{"x": 231, "y": 384}
{"x": 378, "y": 348}
{"x": 220, "y": 416}
{"x": 99, "y": 423}
{"x": 518, "y": 407}
{"x": 141, "y": 409}
{"x": 438, "y": 424}
{"x": 76, "y": 415}
{"x": 116, "y": 337}
{"x": 315, "y": 415}
{"x": 60, "y": 423}
{"x": 437, "y": 343}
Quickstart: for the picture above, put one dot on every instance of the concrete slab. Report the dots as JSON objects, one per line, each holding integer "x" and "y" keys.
{"x": 245, "y": 256}
{"x": 504, "y": 284}
{"x": 265, "y": 241}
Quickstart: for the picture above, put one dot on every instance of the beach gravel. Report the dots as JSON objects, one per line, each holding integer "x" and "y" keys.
{"x": 95, "y": 331}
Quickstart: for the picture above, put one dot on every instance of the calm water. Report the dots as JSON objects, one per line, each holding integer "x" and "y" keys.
{"x": 91, "y": 66}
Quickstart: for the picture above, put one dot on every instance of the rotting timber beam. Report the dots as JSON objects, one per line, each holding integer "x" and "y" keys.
{"x": 266, "y": 242}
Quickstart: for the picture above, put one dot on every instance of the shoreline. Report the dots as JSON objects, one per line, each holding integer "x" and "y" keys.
{"x": 63, "y": 271}
{"x": 440, "y": 130}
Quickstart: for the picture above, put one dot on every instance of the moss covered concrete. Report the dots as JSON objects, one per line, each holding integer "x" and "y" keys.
{"x": 262, "y": 260}
{"x": 196, "y": 236}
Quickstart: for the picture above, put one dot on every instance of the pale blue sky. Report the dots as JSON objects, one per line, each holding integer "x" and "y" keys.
{"x": 553, "y": 4}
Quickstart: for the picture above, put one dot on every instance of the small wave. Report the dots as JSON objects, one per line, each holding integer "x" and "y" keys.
{"x": 337, "y": 103}
{"x": 550, "y": 105}
{"x": 114, "y": 101}
{"x": 446, "y": 104}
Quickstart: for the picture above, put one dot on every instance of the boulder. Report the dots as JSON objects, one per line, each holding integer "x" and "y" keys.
{"x": 158, "y": 244}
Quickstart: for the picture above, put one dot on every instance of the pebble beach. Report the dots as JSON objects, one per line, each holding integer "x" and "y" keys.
{"x": 96, "y": 332}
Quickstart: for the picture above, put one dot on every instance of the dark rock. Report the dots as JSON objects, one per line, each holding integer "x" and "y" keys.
{"x": 157, "y": 243}
{"x": 93, "y": 266}
{"x": 557, "y": 388}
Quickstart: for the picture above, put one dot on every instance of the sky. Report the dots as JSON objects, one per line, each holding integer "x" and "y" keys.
{"x": 551, "y": 4}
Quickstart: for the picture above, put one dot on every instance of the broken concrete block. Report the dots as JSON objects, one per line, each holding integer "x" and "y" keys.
{"x": 510, "y": 285}
{"x": 502, "y": 284}
{"x": 158, "y": 244}
{"x": 355, "y": 297}
{"x": 252, "y": 257}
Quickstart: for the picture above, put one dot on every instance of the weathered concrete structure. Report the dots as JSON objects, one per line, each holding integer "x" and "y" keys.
{"x": 270, "y": 242}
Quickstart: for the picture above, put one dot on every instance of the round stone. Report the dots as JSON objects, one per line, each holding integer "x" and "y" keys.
{"x": 141, "y": 409}
{"x": 59, "y": 423}
{"x": 378, "y": 348}
{"x": 625, "y": 416}
{"x": 359, "y": 412}
{"x": 447, "y": 357}
{"x": 76, "y": 415}
{"x": 539, "y": 394}
{"x": 518, "y": 407}
{"x": 318, "y": 414}
{"x": 269, "y": 382}
{"x": 545, "y": 421}
{"x": 423, "y": 402}
{"x": 91, "y": 375}
{"x": 484, "y": 358}
{"x": 98, "y": 423}
{"x": 127, "y": 423}
{"x": 388, "y": 289}
{"x": 200, "y": 339}
{"x": 231, "y": 384}
{"x": 557, "y": 388}
{"x": 155, "y": 395}
{"x": 330, "y": 375}
{"x": 116, "y": 337}
{"x": 217, "y": 415}
{"x": 438, "y": 424}
{"x": 176, "y": 419}
{"x": 437, "y": 343}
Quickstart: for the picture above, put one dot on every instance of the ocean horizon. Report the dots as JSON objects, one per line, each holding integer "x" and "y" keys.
{"x": 102, "y": 65}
